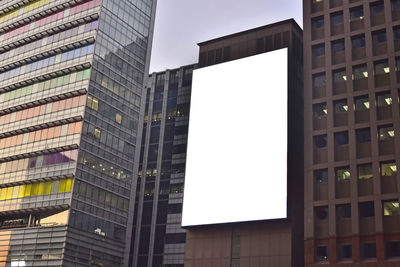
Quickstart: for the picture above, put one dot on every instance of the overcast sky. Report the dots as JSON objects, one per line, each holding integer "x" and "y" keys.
{"x": 181, "y": 24}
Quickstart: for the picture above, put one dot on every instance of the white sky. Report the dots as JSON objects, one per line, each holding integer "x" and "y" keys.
{"x": 181, "y": 24}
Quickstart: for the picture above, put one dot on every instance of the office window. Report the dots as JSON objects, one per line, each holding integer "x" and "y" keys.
{"x": 118, "y": 118}
{"x": 338, "y": 46}
{"x": 160, "y": 78}
{"x": 317, "y": 23}
{"x": 384, "y": 99}
{"x": 388, "y": 169}
{"x": 321, "y": 253}
{"x": 396, "y": 34}
{"x": 386, "y": 133}
{"x": 368, "y": 250}
{"x": 321, "y": 176}
{"x": 321, "y": 213}
{"x": 345, "y": 252}
{"x": 93, "y": 103}
{"x": 339, "y": 75}
{"x": 358, "y": 41}
{"x": 377, "y": 8}
{"x": 361, "y": 103}
{"x": 320, "y": 111}
{"x": 391, "y": 208}
{"x": 366, "y": 209}
{"x": 337, "y": 23}
{"x": 365, "y": 171}
{"x": 379, "y": 37}
{"x": 381, "y": 67}
{"x": 341, "y": 138}
{"x": 342, "y": 173}
{"x": 320, "y": 141}
{"x": 363, "y": 135}
{"x": 343, "y": 211}
{"x": 395, "y": 5}
{"x": 318, "y": 50}
{"x": 97, "y": 133}
{"x": 392, "y": 249}
{"x": 356, "y": 13}
{"x": 337, "y": 18}
{"x": 360, "y": 72}
{"x": 341, "y": 106}
{"x": 36, "y": 189}
{"x": 319, "y": 80}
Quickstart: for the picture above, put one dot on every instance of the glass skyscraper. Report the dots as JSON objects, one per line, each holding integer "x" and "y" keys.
{"x": 158, "y": 239}
{"x": 71, "y": 82}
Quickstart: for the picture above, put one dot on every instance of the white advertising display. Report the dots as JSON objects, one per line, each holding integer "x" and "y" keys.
{"x": 236, "y": 167}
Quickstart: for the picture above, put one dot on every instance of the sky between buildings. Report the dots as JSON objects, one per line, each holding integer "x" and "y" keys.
{"x": 181, "y": 24}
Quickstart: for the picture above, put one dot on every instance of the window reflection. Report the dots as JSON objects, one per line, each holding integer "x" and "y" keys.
{"x": 94, "y": 193}
{"x": 24, "y": 9}
{"x": 361, "y": 103}
{"x": 50, "y": 218}
{"x": 39, "y": 161}
{"x": 45, "y": 62}
{"x": 388, "y": 169}
{"x": 117, "y": 88}
{"x": 384, "y": 99}
{"x": 110, "y": 112}
{"x": 108, "y": 139}
{"x": 360, "y": 72}
{"x": 104, "y": 167}
{"x": 343, "y": 173}
{"x": 43, "y": 109}
{"x": 50, "y": 18}
{"x": 386, "y": 133}
{"x": 40, "y": 135}
{"x": 93, "y": 103}
{"x": 46, "y": 85}
{"x": 339, "y": 76}
{"x": 365, "y": 171}
{"x": 36, "y": 189}
{"x": 381, "y": 67}
{"x": 52, "y": 159}
{"x": 391, "y": 208}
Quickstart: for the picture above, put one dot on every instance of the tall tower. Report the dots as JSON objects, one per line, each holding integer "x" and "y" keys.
{"x": 158, "y": 239}
{"x": 71, "y": 83}
{"x": 352, "y": 128}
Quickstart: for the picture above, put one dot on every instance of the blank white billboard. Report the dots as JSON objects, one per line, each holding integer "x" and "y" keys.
{"x": 236, "y": 167}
